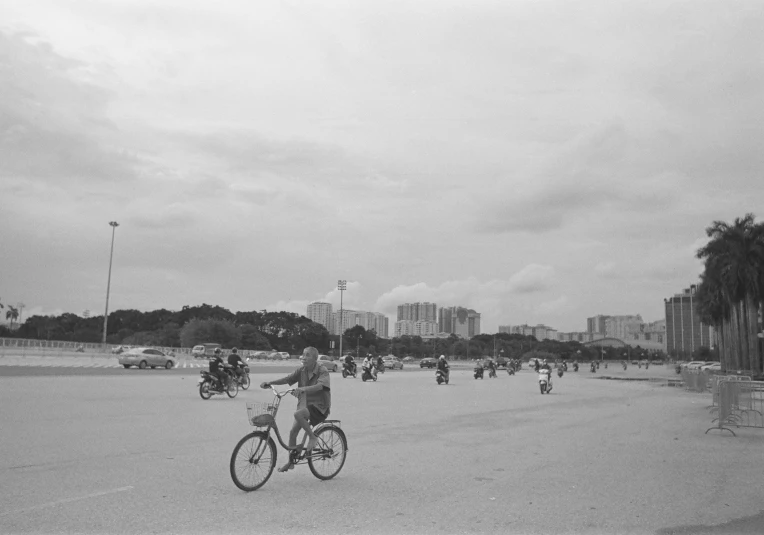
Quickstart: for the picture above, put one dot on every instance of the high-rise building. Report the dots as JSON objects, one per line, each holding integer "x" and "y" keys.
{"x": 321, "y": 313}
{"x": 620, "y": 326}
{"x": 417, "y": 311}
{"x": 684, "y": 331}
{"x": 368, "y": 320}
{"x": 425, "y": 328}
{"x": 460, "y": 321}
{"x": 404, "y": 327}
{"x": 596, "y": 324}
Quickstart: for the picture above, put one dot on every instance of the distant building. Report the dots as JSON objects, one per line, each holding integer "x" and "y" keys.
{"x": 460, "y": 321}
{"x": 684, "y": 331}
{"x": 404, "y": 327}
{"x": 619, "y": 326}
{"x": 417, "y": 311}
{"x": 321, "y": 313}
{"x": 596, "y": 324}
{"x": 368, "y": 320}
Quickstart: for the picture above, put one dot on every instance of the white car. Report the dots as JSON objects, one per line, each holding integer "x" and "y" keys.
{"x": 715, "y": 367}
{"x": 328, "y": 362}
{"x": 144, "y": 357}
{"x": 697, "y": 364}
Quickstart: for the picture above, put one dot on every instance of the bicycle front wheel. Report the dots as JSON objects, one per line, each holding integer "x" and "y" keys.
{"x": 328, "y": 457}
{"x": 253, "y": 460}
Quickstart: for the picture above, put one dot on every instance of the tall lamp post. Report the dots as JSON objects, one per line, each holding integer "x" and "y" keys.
{"x": 114, "y": 226}
{"x": 341, "y": 286}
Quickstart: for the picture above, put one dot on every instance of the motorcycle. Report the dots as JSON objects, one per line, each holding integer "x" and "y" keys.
{"x": 545, "y": 381}
{"x": 369, "y": 374}
{"x": 624, "y": 366}
{"x": 606, "y": 365}
{"x": 478, "y": 372}
{"x": 491, "y": 373}
{"x": 208, "y": 386}
{"x": 510, "y": 370}
{"x": 575, "y": 367}
{"x": 380, "y": 367}
{"x": 559, "y": 372}
{"x": 242, "y": 380}
{"x": 647, "y": 365}
{"x": 441, "y": 377}
{"x": 594, "y": 368}
{"x": 564, "y": 366}
{"x": 348, "y": 370}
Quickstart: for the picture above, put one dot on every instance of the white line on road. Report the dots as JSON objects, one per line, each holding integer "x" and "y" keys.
{"x": 66, "y": 500}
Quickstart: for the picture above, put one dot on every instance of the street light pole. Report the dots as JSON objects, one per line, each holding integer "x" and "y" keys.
{"x": 114, "y": 226}
{"x": 341, "y": 286}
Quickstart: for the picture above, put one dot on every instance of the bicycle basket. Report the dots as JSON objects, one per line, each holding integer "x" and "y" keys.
{"x": 261, "y": 414}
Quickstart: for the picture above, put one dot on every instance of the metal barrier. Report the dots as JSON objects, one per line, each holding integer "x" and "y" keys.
{"x": 695, "y": 380}
{"x": 741, "y": 404}
{"x": 715, "y": 380}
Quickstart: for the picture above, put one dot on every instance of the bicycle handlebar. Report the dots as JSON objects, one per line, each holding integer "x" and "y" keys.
{"x": 281, "y": 394}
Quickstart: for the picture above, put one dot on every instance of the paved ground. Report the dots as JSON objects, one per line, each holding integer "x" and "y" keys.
{"x": 139, "y": 452}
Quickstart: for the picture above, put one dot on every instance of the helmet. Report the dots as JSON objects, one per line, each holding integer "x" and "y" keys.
{"x": 217, "y": 351}
{"x": 442, "y": 357}
{"x": 543, "y": 361}
{"x": 233, "y": 350}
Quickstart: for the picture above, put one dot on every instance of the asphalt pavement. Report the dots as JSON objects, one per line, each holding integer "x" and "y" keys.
{"x": 138, "y": 451}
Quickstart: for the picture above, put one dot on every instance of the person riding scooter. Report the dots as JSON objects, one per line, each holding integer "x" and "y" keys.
{"x": 545, "y": 368}
{"x": 216, "y": 369}
{"x": 350, "y": 364}
{"x": 444, "y": 367}
{"x": 368, "y": 365}
{"x": 491, "y": 367}
{"x": 234, "y": 360}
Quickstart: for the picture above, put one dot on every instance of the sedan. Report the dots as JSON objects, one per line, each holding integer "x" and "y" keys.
{"x": 328, "y": 362}
{"x": 392, "y": 363}
{"x": 143, "y": 357}
{"x": 715, "y": 367}
{"x": 428, "y": 363}
{"x": 408, "y": 359}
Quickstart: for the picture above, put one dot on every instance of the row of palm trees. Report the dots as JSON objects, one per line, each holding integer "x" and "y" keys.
{"x": 731, "y": 291}
{"x": 12, "y": 313}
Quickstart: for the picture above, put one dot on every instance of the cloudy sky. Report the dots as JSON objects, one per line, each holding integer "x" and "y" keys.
{"x": 540, "y": 162}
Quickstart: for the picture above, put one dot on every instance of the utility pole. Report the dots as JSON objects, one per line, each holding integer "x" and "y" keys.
{"x": 114, "y": 226}
{"x": 341, "y": 286}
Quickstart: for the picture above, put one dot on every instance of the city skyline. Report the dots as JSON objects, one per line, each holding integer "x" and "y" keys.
{"x": 537, "y": 162}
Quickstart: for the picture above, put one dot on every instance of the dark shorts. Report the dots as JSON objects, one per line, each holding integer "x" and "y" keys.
{"x": 316, "y": 416}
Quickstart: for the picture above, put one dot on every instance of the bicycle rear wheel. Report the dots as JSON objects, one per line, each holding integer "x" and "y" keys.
{"x": 328, "y": 457}
{"x": 253, "y": 460}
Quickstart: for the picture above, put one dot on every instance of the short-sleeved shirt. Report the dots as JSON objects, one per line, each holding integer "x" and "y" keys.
{"x": 319, "y": 376}
{"x": 234, "y": 359}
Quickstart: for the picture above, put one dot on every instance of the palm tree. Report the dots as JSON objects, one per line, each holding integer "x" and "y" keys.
{"x": 12, "y": 314}
{"x": 732, "y": 289}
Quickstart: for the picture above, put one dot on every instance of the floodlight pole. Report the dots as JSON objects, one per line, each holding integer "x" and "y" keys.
{"x": 341, "y": 286}
{"x": 114, "y": 226}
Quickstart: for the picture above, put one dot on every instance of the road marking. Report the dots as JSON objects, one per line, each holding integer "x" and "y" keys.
{"x": 66, "y": 500}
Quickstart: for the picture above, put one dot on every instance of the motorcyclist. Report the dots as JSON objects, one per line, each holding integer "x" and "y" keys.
{"x": 216, "y": 369}
{"x": 234, "y": 360}
{"x": 545, "y": 366}
{"x": 350, "y": 363}
{"x": 443, "y": 366}
{"x": 490, "y": 366}
{"x": 380, "y": 364}
{"x": 368, "y": 365}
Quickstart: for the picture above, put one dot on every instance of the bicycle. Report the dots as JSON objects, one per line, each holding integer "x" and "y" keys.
{"x": 254, "y": 457}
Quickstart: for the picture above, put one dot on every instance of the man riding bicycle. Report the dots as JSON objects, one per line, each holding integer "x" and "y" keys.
{"x": 314, "y": 398}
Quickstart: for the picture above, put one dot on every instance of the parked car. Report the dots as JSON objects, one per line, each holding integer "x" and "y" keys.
{"x": 283, "y": 355}
{"x": 117, "y": 350}
{"x": 697, "y": 364}
{"x": 715, "y": 367}
{"x": 392, "y": 363}
{"x": 428, "y": 362}
{"x": 144, "y": 357}
{"x": 328, "y": 362}
{"x": 408, "y": 359}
